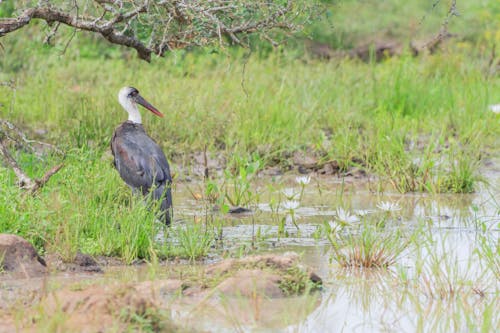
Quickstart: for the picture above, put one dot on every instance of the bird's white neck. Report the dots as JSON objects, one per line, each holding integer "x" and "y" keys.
{"x": 133, "y": 112}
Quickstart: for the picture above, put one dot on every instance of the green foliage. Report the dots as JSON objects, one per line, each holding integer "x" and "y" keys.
{"x": 296, "y": 281}
{"x": 390, "y": 132}
{"x": 402, "y": 22}
{"x": 191, "y": 241}
{"x": 432, "y": 141}
{"x": 7, "y": 8}
{"x": 369, "y": 247}
{"x": 149, "y": 320}
{"x": 88, "y": 209}
{"x": 238, "y": 190}
{"x": 489, "y": 251}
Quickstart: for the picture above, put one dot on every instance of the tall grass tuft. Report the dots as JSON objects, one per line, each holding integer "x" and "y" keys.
{"x": 370, "y": 248}
{"x": 190, "y": 241}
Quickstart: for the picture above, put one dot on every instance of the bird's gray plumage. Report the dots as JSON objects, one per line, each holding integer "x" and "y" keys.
{"x": 142, "y": 164}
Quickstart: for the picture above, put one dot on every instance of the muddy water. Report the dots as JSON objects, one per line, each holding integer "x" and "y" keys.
{"x": 440, "y": 284}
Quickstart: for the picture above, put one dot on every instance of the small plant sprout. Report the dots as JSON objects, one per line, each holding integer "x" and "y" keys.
{"x": 238, "y": 189}
{"x": 343, "y": 216}
{"x": 388, "y": 206}
{"x": 194, "y": 241}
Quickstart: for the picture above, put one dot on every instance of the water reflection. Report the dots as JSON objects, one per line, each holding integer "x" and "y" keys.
{"x": 442, "y": 282}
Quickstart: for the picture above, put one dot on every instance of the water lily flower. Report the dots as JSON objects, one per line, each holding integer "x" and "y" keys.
{"x": 388, "y": 206}
{"x": 363, "y": 212}
{"x": 335, "y": 228}
{"x": 345, "y": 217}
{"x": 304, "y": 180}
{"x": 290, "y": 193}
{"x": 291, "y": 204}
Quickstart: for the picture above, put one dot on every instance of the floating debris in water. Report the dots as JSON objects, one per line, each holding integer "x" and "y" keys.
{"x": 239, "y": 210}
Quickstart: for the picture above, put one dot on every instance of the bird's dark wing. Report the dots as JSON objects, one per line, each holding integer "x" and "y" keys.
{"x": 139, "y": 160}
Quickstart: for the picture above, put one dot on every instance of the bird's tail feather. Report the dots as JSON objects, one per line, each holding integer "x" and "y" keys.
{"x": 164, "y": 193}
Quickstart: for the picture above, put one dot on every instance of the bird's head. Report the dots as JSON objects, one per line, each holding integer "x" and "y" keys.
{"x": 129, "y": 97}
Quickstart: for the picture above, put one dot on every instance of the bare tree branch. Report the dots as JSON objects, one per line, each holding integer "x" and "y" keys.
{"x": 9, "y": 132}
{"x": 154, "y": 27}
{"x": 25, "y": 182}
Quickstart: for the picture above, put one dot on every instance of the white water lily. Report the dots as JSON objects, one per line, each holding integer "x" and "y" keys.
{"x": 335, "y": 228}
{"x": 303, "y": 180}
{"x": 291, "y": 204}
{"x": 363, "y": 212}
{"x": 345, "y": 216}
{"x": 290, "y": 193}
{"x": 388, "y": 206}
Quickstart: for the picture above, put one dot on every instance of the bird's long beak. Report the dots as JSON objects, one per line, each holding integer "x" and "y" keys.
{"x": 148, "y": 106}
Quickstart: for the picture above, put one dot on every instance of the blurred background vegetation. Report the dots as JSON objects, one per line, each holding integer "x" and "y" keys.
{"x": 339, "y": 25}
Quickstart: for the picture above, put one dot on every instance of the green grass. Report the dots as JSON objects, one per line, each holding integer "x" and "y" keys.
{"x": 381, "y": 117}
{"x": 414, "y": 124}
{"x": 193, "y": 241}
{"x": 418, "y": 124}
{"x": 368, "y": 247}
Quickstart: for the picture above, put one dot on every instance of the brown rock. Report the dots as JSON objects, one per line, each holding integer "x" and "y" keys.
{"x": 19, "y": 257}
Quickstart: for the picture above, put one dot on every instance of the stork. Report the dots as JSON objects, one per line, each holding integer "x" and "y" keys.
{"x": 139, "y": 160}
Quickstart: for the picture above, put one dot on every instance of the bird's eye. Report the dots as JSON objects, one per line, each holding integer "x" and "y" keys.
{"x": 133, "y": 93}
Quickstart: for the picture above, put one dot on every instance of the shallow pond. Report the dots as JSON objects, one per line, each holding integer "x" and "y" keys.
{"x": 442, "y": 279}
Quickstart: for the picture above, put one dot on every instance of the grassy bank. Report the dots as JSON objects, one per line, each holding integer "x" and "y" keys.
{"x": 419, "y": 124}
{"x": 415, "y": 124}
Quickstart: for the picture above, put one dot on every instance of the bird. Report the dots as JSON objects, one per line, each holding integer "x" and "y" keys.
{"x": 139, "y": 160}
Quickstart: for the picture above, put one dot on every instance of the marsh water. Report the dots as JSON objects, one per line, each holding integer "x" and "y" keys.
{"x": 442, "y": 281}
{"x": 455, "y": 290}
